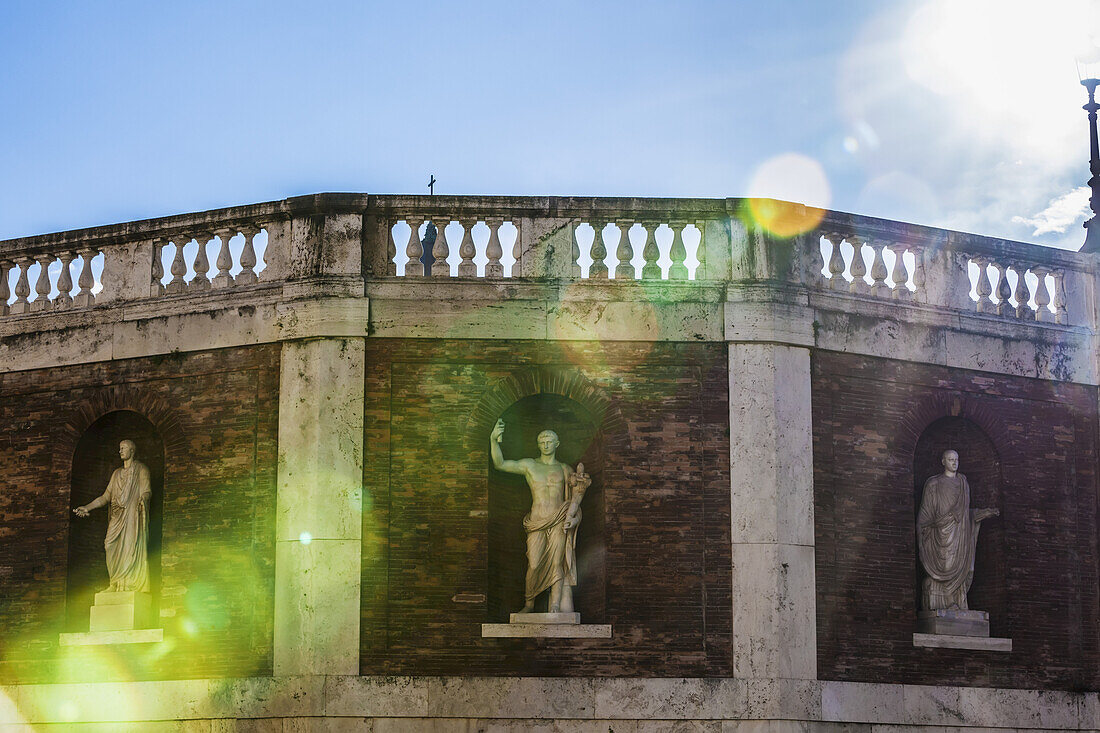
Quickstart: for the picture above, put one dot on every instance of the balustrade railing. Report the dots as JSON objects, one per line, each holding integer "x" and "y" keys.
{"x": 350, "y": 238}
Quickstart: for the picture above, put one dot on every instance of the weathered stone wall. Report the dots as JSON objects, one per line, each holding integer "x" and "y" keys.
{"x": 216, "y": 412}
{"x": 426, "y": 509}
{"x": 1037, "y": 563}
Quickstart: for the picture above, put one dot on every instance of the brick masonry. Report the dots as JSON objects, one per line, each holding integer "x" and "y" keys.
{"x": 665, "y": 518}
{"x": 1028, "y": 447}
{"x": 216, "y": 413}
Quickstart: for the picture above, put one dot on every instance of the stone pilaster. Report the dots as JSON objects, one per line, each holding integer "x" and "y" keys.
{"x": 774, "y": 595}
{"x": 319, "y": 526}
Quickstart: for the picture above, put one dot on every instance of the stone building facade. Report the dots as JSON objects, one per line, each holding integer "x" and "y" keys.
{"x": 758, "y": 407}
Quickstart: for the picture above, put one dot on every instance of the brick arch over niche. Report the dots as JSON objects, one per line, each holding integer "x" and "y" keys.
{"x": 116, "y": 398}
{"x": 928, "y": 411}
{"x": 566, "y": 382}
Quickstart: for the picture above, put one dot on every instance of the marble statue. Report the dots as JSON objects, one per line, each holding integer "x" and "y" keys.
{"x": 947, "y": 534}
{"x": 127, "y": 496}
{"x": 551, "y": 525}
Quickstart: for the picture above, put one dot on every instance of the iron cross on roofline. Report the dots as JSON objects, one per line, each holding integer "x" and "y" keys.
{"x": 431, "y": 185}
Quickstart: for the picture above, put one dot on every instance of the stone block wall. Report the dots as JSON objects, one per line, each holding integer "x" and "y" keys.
{"x": 1032, "y": 455}
{"x": 216, "y": 413}
{"x": 666, "y": 523}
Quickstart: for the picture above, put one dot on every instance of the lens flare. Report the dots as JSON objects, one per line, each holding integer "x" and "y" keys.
{"x": 778, "y": 184}
{"x": 305, "y": 538}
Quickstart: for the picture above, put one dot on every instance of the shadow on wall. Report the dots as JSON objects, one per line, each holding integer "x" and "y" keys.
{"x": 980, "y": 463}
{"x": 95, "y": 458}
{"x": 510, "y": 500}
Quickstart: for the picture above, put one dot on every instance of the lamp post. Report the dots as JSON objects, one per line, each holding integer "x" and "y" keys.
{"x": 1092, "y": 226}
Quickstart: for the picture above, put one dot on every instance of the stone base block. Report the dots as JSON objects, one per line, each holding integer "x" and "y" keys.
{"x": 953, "y": 622}
{"x": 545, "y": 618}
{"x": 129, "y": 636}
{"x": 119, "y": 611}
{"x": 552, "y": 630}
{"x": 948, "y": 641}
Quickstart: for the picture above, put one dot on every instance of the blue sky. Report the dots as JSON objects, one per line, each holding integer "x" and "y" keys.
{"x": 957, "y": 114}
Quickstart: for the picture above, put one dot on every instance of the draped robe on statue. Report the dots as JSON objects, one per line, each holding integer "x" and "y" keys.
{"x": 946, "y": 537}
{"x": 551, "y": 549}
{"x": 128, "y": 528}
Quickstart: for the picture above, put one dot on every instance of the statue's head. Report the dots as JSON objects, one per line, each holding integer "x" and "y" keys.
{"x": 950, "y": 460}
{"x": 127, "y": 450}
{"x": 548, "y": 442}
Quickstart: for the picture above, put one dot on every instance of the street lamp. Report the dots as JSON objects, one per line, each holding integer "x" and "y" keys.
{"x": 1089, "y": 71}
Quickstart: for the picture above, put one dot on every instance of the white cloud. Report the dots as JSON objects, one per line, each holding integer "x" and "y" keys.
{"x": 1060, "y": 213}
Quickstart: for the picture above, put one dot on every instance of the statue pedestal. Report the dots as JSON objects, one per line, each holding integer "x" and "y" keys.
{"x": 118, "y": 617}
{"x": 544, "y": 618}
{"x": 121, "y": 611}
{"x": 546, "y": 625}
{"x": 953, "y": 622}
{"x": 953, "y": 629}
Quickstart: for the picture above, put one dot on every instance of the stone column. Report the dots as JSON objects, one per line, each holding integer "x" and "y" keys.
{"x": 771, "y": 462}
{"x": 319, "y": 525}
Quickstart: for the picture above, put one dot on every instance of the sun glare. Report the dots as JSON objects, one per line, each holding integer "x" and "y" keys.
{"x": 1007, "y": 65}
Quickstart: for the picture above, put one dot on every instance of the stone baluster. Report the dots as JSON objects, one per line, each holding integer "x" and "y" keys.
{"x": 414, "y": 250}
{"x": 651, "y": 252}
{"x": 599, "y": 252}
{"x": 574, "y": 255}
{"x": 247, "y": 275}
{"x": 878, "y": 271}
{"x": 919, "y": 291}
{"x": 467, "y": 250}
{"x": 678, "y": 252}
{"x": 84, "y": 297}
{"x": 42, "y": 284}
{"x": 224, "y": 262}
{"x": 391, "y": 252}
{"x": 984, "y": 287}
{"x": 64, "y": 281}
{"x": 5, "y": 288}
{"x": 201, "y": 264}
{"x": 1004, "y": 292}
{"x": 155, "y": 287}
{"x": 517, "y": 249}
{"x": 441, "y": 250}
{"x": 179, "y": 266}
{"x": 1042, "y": 295}
{"x": 493, "y": 250}
{"x": 1023, "y": 292}
{"x": 1061, "y": 314}
{"x": 624, "y": 252}
{"x": 836, "y": 261}
{"x": 22, "y": 286}
{"x": 859, "y": 266}
{"x": 898, "y": 273}
{"x": 701, "y": 250}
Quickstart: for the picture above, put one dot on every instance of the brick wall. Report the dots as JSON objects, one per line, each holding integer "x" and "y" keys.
{"x": 665, "y": 510}
{"x": 1028, "y": 448}
{"x": 217, "y": 415}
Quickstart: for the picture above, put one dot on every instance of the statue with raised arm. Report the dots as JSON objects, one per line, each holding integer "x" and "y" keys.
{"x": 947, "y": 535}
{"x": 127, "y": 498}
{"x": 551, "y": 525}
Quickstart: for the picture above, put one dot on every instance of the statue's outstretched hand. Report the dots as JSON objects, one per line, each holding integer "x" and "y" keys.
{"x": 498, "y": 432}
{"x": 80, "y": 511}
{"x": 981, "y": 514}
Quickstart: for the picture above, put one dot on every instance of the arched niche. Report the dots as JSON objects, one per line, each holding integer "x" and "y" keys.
{"x": 980, "y": 463}
{"x": 510, "y": 499}
{"x": 94, "y": 460}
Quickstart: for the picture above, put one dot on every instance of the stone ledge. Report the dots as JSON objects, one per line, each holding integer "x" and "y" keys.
{"x": 546, "y": 631}
{"x": 950, "y": 641}
{"x": 127, "y": 636}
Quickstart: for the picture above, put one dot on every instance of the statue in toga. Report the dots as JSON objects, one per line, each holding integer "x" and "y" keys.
{"x": 551, "y": 525}
{"x": 127, "y": 497}
{"x": 947, "y": 535}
